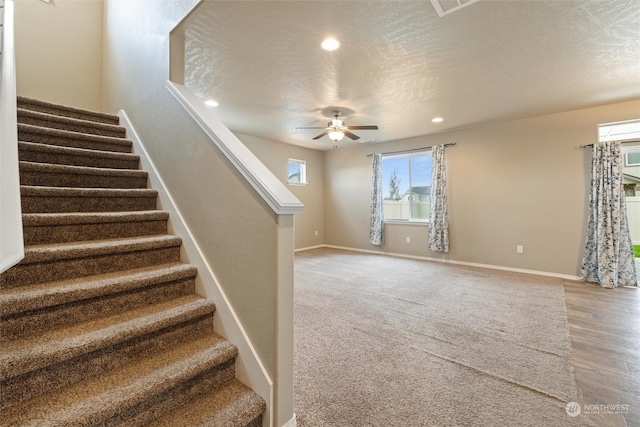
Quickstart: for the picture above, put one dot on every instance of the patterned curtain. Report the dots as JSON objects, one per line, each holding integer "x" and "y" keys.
{"x": 608, "y": 254}
{"x": 376, "y": 233}
{"x": 438, "y": 213}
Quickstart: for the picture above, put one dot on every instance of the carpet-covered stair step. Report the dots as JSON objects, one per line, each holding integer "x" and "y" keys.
{"x": 63, "y": 110}
{"x": 44, "y": 135}
{"x": 139, "y": 392}
{"x": 52, "y": 121}
{"x": 31, "y": 310}
{"x": 40, "y": 365}
{"x": 37, "y": 199}
{"x": 52, "y": 262}
{"x": 52, "y": 175}
{"x": 43, "y": 153}
{"x": 44, "y": 228}
{"x": 232, "y": 405}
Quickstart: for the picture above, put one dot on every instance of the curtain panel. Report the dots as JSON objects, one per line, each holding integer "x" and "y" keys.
{"x": 376, "y": 233}
{"x": 438, "y": 211}
{"x": 608, "y": 254}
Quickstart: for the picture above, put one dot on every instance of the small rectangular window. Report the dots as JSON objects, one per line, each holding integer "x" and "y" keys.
{"x": 632, "y": 158}
{"x": 297, "y": 172}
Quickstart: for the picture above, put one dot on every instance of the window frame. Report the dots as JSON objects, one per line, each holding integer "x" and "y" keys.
{"x": 303, "y": 172}
{"x": 408, "y": 155}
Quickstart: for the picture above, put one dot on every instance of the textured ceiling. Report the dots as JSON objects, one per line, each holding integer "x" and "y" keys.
{"x": 400, "y": 64}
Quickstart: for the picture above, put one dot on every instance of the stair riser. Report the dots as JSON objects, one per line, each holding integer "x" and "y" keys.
{"x": 116, "y": 132}
{"x": 29, "y": 274}
{"x": 160, "y": 405}
{"x": 58, "y": 375}
{"x": 37, "y": 235}
{"x": 74, "y": 141}
{"x": 76, "y": 159}
{"x": 38, "y": 204}
{"x": 66, "y": 112}
{"x": 38, "y": 321}
{"x": 54, "y": 179}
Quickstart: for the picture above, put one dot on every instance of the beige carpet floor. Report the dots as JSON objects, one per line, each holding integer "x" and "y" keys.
{"x": 383, "y": 341}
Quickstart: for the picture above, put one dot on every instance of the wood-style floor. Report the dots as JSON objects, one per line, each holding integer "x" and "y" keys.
{"x": 605, "y": 338}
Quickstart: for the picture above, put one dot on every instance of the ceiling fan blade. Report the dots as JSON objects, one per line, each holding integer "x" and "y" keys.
{"x": 370, "y": 127}
{"x": 321, "y": 135}
{"x": 350, "y": 135}
{"x": 314, "y": 127}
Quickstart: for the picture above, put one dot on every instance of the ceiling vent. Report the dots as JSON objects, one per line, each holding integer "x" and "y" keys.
{"x": 445, "y": 7}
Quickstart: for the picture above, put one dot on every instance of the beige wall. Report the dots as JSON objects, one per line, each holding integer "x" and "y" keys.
{"x": 275, "y": 155}
{"x": 521, "y": 182}
{"x": 59, "y": 51}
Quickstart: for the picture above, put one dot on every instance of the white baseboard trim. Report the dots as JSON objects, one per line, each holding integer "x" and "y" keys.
{"x": 450, "y": 261}
{"x": 309, "y": 248}
{"x": 249, "y": 368}
{"x": 292, "y": 422}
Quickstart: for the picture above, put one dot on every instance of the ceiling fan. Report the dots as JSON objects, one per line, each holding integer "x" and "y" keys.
{"x": 336, "y": 129}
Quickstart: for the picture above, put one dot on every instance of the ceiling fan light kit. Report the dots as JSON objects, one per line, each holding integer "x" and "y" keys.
{"x": 336, "y": 129}
{"x": 336, "y": 135}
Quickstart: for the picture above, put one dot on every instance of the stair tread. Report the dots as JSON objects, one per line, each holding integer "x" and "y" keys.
{"x": 36, "y": 146}
{"x": 233, "y": 404}
{"x": 47, "y": 117}
{"x": 35, "y": 219}
{"x": 69, "y": 134}
{"x": 34, "y": 190}
{"x": 24, "y": 102}
{"x": 26, "y": 354}
{"x": 33, "y": 297}
{"x": 80, "y": 170}
{"x": 58, "y": 251}
{"x": 111, "y": 392}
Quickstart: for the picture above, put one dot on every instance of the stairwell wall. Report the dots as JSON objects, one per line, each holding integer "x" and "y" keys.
{"x": 237, "y": 231}
{"x": 59, "y": 51}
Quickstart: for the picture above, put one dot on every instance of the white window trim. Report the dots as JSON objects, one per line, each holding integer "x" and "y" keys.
{"x": 412, "y": 221}
{"x": 303, "y": 172}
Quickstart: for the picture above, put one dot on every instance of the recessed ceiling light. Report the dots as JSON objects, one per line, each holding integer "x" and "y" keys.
{"x": 437, "y": 119}
{"x": 211, "y": 103}
{"x": 330, "y": 44}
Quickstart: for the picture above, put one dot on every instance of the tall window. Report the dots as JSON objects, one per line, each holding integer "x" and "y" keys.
{"x": 628, "y": 131}
{"x": 297, "y": 172}
{"x": 406, "y": 186}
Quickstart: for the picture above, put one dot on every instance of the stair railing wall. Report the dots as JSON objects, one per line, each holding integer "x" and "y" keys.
{"x": 284, "y": 205}
{"x": 11, "y": 241}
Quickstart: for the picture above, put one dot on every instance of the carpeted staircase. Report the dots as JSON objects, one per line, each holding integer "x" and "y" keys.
{"x": 100, "y": 323}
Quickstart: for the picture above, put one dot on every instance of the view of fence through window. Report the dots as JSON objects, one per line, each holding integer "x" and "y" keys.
{"x": 406, "y": 186}
{"x": 628, "y": 131}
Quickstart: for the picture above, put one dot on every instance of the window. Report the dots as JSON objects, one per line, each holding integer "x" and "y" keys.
{"x": 297, "y": 172}
{"x": 627, "y": 131}
{"x": 406, "y": 181}
{"x": 619, "y": 131}
{"x": 632, "y": 158}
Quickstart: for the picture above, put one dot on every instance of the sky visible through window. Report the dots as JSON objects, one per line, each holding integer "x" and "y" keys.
{"x": 420, "y": 171}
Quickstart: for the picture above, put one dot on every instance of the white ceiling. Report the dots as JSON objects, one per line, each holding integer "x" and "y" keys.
{"x": 400, "y": 64}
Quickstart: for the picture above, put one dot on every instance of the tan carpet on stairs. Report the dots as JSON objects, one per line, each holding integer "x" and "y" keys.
{"x": 100, "y": 323}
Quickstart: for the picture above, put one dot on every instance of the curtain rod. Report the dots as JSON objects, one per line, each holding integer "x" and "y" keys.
{"x": 453, "y": 144}
{"x": 621, "y": 142}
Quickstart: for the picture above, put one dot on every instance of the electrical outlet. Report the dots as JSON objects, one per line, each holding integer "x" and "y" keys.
{"x": 408, "y": 239}
{"x": 520, "y": 249}
{"x": 316, "y": 232}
